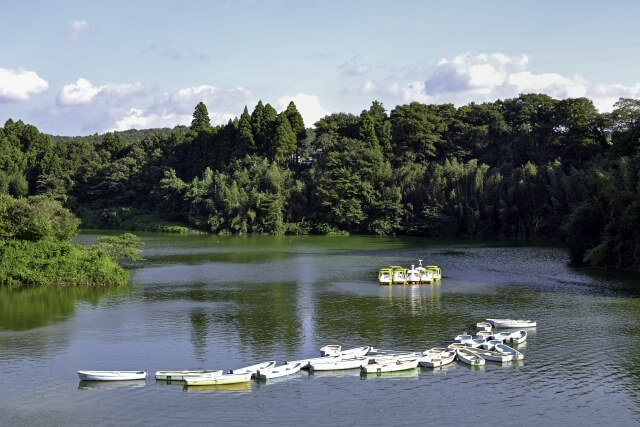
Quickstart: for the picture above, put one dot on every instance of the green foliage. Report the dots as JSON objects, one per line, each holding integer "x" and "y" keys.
{"x": 126, "y": 245}
{"x": 530, "y": 167}
{"x": 51, "y": 263}
{"x": 35, "y": 218}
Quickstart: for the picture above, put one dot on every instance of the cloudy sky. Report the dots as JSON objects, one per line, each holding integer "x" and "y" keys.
{"x": 80, "y": 67}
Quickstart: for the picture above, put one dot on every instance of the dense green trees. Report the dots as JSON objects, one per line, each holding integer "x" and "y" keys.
{"x": 35, "y": 247}
{"x": 530, "y": 167}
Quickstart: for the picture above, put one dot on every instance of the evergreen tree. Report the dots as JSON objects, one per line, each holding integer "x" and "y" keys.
{"x": 201, "y": 121}
{"x": 245, "y": 143}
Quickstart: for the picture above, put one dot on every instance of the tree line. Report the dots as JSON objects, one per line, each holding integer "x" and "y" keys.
{"x": 526, "y": 168}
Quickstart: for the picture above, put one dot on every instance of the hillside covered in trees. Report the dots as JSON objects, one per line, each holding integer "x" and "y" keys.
{"x": 530, "y": 167}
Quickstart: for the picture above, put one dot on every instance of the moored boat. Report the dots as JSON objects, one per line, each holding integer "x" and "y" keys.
{"x": 279, "y": 371}
{"x": 112, "y": 375}
{"x": 304, "y": 363}
{"x": 385, "y": 276}
{"x": 501, "y": 336}
{"x": 484, "y": 326}
{"x": 341, "y": 364}
{"x": 426, "y": 276}
{"x": 485, "y": 335}
{"x": 179, "y": 375}
{"x": 413, "y": 276}
{"x": 354, "y": 352}
{"x": 463, "y": 338}
{"x": 491, "y": 344}
{"x": 399, "y": 276}
{"x": 494, "y": 356}
{"x": 518, "y": 337}
{"x": 512, "y": 323}
{"x": 330, "y": 350}
{"x": 436, "y": 360}
{"x": 435, "y": 271}
{"x": 475, "y": 343}
{"x": 456, "y": 346}
{"x": 252, "y": 369}
{"x": 503, "y": 348}
{"x": 198, "y": 380}
{"x": 467, "y": 356}
{"x": 392, "y": 366}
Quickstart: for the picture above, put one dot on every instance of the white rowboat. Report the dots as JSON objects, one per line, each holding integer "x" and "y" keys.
{"x": 252, "y": 369}
{"x": 467, "y": 356}
{"x": 179, "y": 375}
{"x": 112, "y": 375}
{"x": 494, "y": 356}
{"x": 395, "y": 366}
{"x": 518, "y": 337}
{"x": 355, "y": 352}
{"x": 279, "y": 371}
{"x": 484, "y": 326}
{"x": 437, "y": 360}
{"x": 217, "y": 379}
{"x": 503, "y": 348}
{"x": 304, "y": 363}
{"x": 490, "y": 345}
{"x": 512, "y": 323}
{"x": 336, "y": 365}
{"x": 501, "y": 336}
{"x": 330, "y": 350}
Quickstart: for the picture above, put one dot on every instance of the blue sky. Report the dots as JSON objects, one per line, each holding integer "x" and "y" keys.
{"x": 80, "y": 67}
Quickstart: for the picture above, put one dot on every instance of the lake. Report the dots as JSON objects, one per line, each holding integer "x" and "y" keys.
{"x": 211, "y": 302}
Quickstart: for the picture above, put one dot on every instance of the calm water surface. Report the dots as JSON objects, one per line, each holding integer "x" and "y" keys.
{"x": 209, "y": 302}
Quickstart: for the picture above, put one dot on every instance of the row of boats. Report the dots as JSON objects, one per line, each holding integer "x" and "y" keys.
{"x": 474, "y": 350}
{"x": 397, "y": 275}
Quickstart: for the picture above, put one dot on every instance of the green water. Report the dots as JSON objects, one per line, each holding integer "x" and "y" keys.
{"x": 209, "y": 302}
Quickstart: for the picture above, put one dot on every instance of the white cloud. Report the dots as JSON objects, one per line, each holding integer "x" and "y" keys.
{"x": 176, "y": 108}
{"x": 83, "y": 92}
{"x": 137, "y": 119}
{"x": 216, "y": 99}
{"x": 77, "y": 27}
{"x": 604, "y": 96}
{"x": 308, "y": 106}
{"x": 488, "y": 77}
{"x": 19, "y": 85}
{"x": 354, "y": 67}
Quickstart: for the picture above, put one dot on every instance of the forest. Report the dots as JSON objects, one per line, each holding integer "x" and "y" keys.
{"x": 527, "y": 168}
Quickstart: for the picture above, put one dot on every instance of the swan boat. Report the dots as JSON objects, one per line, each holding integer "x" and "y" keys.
{"x": 385, "y": 276}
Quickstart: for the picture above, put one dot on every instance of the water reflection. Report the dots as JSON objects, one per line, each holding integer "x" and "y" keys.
{"x": 34, "y": 307}
{"x": 245, "y": 387}
{"x": 110, "y": 385}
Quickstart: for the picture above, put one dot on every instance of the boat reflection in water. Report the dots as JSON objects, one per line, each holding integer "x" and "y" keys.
{"x": 108, "y": 385}
{"x": 244, "y": 387}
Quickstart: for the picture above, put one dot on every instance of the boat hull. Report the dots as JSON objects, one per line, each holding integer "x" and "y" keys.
{"x": 396, "y": 366}
{"x": 512, "y": 323}
{"x": 217, "y": 379}
{"x": 339, "y": 364}
{"x": 437, "y": 360}
{"x": 112, "y": 375}
{"x": 179, "y": 375}
{"x": 469, "y": 357}
{"x": 253, "y": 369}
{"x": 279, "y": 371}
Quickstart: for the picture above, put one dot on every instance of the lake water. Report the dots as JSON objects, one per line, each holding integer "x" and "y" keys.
{"x": 210, "y": 302}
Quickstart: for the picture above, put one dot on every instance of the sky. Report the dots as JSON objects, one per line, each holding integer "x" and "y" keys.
{"x": 77, "y": 68}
